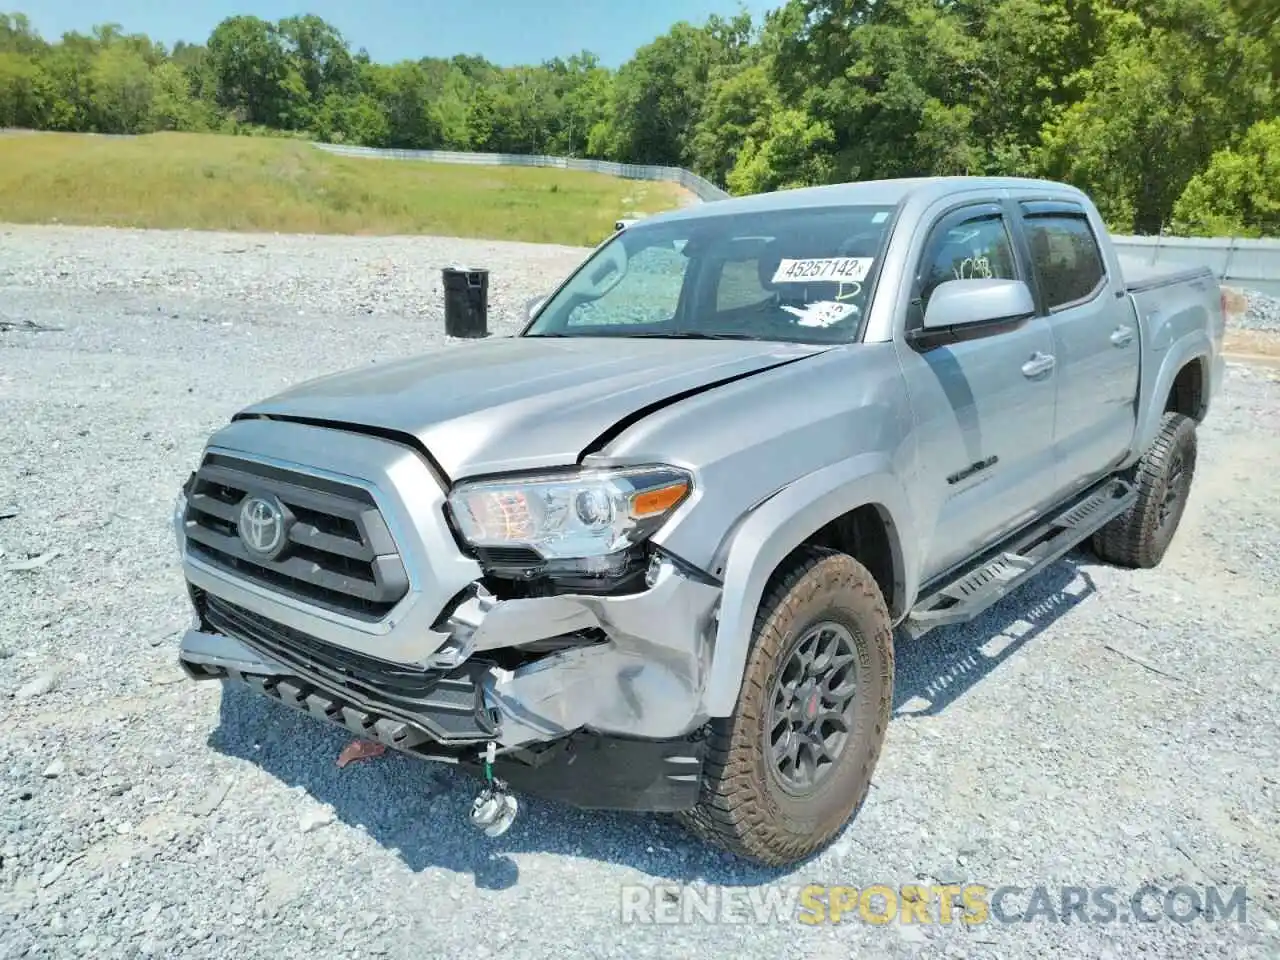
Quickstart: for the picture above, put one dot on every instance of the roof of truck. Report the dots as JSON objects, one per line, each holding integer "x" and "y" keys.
{"x": 885, "y": 192}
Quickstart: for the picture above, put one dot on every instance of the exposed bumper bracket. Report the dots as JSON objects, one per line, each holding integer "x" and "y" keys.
{"x": 612, "y": 773}
{"x": 584, "y": 770}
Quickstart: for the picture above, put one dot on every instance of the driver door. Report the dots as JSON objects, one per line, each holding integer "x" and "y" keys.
{"x": 983, "y": 406}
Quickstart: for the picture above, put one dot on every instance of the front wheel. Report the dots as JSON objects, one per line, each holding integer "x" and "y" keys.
{"x": 793, "y": 763}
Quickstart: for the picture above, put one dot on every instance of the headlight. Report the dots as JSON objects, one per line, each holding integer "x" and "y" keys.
{"x": 588, "y": 514}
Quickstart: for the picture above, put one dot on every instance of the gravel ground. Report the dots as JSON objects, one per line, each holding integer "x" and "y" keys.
{"x": 1263, "y": 312}
{"x": 1100, "y": 727}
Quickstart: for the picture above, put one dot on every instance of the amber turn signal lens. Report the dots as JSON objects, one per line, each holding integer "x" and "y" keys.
{"x": 651, "y": 503}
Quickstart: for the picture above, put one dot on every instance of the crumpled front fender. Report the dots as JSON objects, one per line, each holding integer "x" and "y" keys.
{"x": 647, "y": 678}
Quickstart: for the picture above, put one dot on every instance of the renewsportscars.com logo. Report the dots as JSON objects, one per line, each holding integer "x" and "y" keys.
{"x": 970, "y": 904}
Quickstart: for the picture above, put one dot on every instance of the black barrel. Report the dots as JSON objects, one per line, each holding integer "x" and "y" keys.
{"x": 466, "y": 302}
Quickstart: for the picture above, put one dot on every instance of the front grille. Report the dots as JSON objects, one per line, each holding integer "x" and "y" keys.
{"x": 448, "y": 705}
{"x": 338, "y": 552}
{"x": 522, "y": 557}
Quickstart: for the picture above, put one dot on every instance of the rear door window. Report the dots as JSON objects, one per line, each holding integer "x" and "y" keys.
{"x": 1065, "y": 256}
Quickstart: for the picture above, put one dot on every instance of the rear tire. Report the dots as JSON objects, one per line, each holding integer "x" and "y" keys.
{"x": 793, "y": 763}
{"x": 1139, "y": 537}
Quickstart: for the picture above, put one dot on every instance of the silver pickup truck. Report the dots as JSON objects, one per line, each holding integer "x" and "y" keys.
{"x": 652, "y": 552}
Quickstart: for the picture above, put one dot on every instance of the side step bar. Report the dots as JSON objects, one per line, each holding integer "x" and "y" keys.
{"x": 964, "y": 597}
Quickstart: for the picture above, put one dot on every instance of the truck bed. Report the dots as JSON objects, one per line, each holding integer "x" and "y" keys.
{"x": 1140, "y": 276}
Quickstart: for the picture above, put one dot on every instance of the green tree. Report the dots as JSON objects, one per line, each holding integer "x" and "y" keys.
{"x": 251, "y": 71}
{"x": 404, "y": 92}
{"x": 194, "y": 62}
{"x": 1238, "y": 195}
{"x": 659, "y": 93}
{"x": 1032, "y": 63}
{"x": 22, "y": 91}
{"x": 68, "y": 78}
{"x": 451, "y": 108}
{"x": 319, "y": 54}
{"x": 122, "y": 90}
{"x": 359, "y": 119}
{"x": 796, "y": 151}
{"x": 892, "y": 80}
{"x": 1178, "y": 82}
{"x": 1261, "y": 19}
{"x": 739, "y": 110}
{"x": 583, "y": 88}
{"x": 18, "y": 36}
{"x": 172, "y": 105}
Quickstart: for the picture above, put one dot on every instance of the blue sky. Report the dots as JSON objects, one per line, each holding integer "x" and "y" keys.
{"x": 505, "y": 31}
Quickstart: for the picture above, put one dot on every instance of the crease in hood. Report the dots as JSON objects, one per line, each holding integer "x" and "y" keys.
{"x": 521, "y": 403}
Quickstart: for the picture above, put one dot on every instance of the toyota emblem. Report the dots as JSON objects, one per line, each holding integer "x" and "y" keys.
{"x": 262, "y": 525}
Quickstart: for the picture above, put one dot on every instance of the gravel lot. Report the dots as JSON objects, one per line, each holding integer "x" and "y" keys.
{"x": 1101, "y": 727}
{"x": 1263, "y": 312}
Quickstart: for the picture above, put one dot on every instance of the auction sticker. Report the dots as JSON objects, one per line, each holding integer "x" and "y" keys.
{"x": 835, "y": 269}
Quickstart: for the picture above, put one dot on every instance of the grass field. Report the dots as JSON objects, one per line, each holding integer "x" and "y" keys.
{"x": 209, "y": 182}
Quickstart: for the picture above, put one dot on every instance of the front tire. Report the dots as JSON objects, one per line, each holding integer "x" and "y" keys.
{"x": 793, "y": 763}
{"x": 1140, "y": 536}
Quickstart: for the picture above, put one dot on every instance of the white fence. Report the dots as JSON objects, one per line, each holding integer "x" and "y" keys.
{"x": 1249, "y": 264}
{"x": 700, "y": 187}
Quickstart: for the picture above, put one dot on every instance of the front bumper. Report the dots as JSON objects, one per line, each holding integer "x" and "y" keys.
{"x": 642, "y": 675}
{"x": 612, "y": 725}
{"x": 583, "y": 769}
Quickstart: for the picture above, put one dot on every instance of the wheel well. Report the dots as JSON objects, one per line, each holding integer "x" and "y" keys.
{"x": 863, "y": 534}
{"x": 1186, "y": 396}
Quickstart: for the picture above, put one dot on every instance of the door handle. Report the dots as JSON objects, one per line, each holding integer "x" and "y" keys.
{"x": 1122, "y": 336}
{"x": 1040, "y": 363}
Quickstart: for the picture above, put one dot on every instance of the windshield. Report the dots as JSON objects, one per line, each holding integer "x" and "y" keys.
{"x": 800, "y": 275}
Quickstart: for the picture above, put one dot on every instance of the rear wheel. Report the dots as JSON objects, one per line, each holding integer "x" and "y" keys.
{"x": 1140, "y": 536}
{"x": 793, "y": 764}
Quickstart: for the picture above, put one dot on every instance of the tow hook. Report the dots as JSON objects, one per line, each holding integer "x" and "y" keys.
{"x": 494, "y": 809}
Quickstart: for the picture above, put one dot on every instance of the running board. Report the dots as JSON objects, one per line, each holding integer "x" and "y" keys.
{"x": 1027, "y": 553}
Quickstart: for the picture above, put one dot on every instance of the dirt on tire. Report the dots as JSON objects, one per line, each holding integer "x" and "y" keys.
{"x": 741, "y": 807}
{"x": 1138, "y": 538}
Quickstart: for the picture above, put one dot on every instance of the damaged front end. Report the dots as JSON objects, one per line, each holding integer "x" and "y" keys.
{"x": 440, "y": 624}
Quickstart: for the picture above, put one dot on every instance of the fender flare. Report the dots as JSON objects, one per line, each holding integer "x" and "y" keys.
{"x": 1186, "y": 350}
{"x": 777, "y": 526}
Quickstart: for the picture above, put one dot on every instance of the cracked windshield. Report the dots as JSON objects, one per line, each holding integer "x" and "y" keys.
{"x": 800, "y": 275}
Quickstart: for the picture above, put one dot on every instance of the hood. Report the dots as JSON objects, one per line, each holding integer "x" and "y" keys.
{"x": 522, "y": 402}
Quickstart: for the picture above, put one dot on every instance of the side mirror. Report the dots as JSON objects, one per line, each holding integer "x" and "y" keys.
{"x": 533, "y": 306}
{"x": 962, "y": 303}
